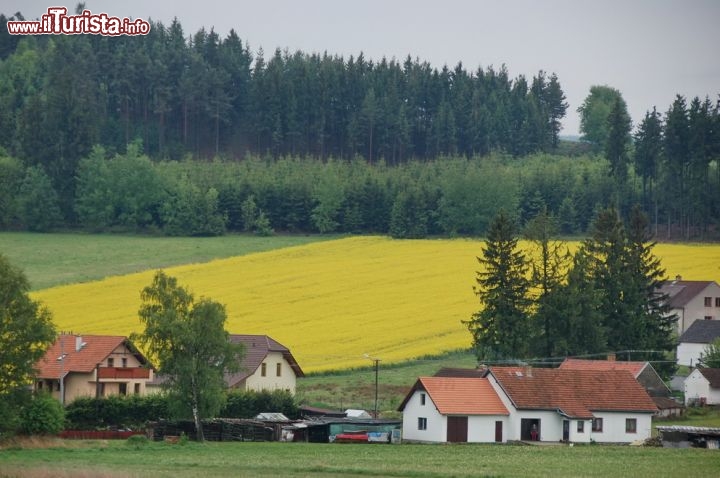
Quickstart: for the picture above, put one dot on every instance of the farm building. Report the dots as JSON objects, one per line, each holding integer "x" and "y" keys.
{"x": 92, "y": 366}
{"x": 702, "y": 387}
{"x": 694, "y": 341}
{"x": 522, "y": 403}
{"x": 692, "y": 301}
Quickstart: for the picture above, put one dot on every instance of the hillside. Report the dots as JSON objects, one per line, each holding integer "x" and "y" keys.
{"x": 332, "y": 302}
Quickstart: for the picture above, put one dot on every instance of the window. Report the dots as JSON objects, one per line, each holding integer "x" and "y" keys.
{"x": 708, "y": 317}
{"x": 278, "y": 369}
{"x": 717, "y": 301}
{"x": 111, "y": 362}
{"x": 581, "y": 426}
{"x": 597, "y": 425}
{"x": 422, "y": 399}
{"x": 263, "y": 370}
{"x": 422, "y": 423}
{"x": 631, "y": 425}
{"x": 39, "y": 385}
{"x": 122, "y": 388}
{"x": 137, "y": 389}
{"x": 124, "y": 362}
{"x": 708, "y": 301}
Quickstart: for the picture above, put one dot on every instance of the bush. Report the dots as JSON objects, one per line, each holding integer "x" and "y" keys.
{"x": 44, "y": 415}
{"x": 247, "y": 404}
{"x": 114, "y": 411}
{"x": 137, "y": 441}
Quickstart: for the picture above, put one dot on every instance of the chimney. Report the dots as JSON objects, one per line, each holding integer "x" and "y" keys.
{"x": 78, "y": 343}
{"x": 528, "y": 371}
{"x": 611, "y": 357}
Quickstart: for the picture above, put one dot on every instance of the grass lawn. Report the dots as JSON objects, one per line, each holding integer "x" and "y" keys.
{"x": 119, "y": 459}
{"x": 55, "y": 259}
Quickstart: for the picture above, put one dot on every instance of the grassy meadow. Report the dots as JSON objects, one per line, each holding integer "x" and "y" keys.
{"x": 333, "y": 301}
{"x": 120, "y": 459}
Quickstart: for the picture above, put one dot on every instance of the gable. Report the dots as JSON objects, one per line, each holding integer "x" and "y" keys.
{"x": 712, "y": 375}
{"x": 82, "y": 354}
{"x": 256, "y": 350}
{"x": 682, "y": 292}
{"x": 459, "y": 396}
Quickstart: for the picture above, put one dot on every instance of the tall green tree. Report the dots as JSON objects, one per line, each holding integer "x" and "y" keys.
{"x": 548, "y": 273}
{"x": 26, "y": 331}
{"x": 648, "y": 153}
{"x": 618, "y": 140}
{"x": 187, "y": 338}
{"x": 594, "y": 113}
{"x": 501, "y": 329}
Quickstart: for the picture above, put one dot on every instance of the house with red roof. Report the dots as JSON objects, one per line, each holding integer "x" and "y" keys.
{"x": 643, "y": 372}
{"x": 528, "y": 404}
{"x": 692, "y": 301}
{"x": 605, "y": 406}
{"x": 453, "y": 409}
{"x": 92, "y": 366}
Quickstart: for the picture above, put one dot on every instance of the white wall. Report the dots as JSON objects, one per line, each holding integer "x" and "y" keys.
{"x": 436, "y": 423}
{"x": 286, "y": 380}
{"x": 697, "y": 386}
{"x": 481, "y": 428}
{"x": 688, "y": 354}
{"x": 614, "y": 427}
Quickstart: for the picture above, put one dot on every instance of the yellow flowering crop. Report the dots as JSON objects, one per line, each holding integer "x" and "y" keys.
{"x": 332, "y": 302}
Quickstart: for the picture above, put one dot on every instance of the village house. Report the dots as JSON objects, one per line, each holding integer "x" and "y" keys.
{"x": 266, "y": 365}
{"x": 692, "y": 301}
{"x": 643, "y": 372}
{"x": 606, "y": 406}
{"x": 702, "y": 387}
{"x": 694, "y": 341}
{"x": 92, "y": 366}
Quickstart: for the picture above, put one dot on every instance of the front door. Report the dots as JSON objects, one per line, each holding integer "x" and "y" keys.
{"x": 566, "y": 430}
{"x": 457, "y": 429}
{"x": 530, "y": 429}
{"x": 498, "y": 431}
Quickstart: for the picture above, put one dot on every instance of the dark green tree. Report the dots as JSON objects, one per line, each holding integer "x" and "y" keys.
{"x": 501, "y": 329}
{"x": 648, "y": 153}
{"x": 710, "y": 357}
{"x": 187, "y": 338}
{"x": 618, "y": 141}
{"x": 37, "y": 202}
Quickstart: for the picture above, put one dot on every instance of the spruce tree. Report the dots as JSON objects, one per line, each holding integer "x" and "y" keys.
{"x": 501, "y": 329}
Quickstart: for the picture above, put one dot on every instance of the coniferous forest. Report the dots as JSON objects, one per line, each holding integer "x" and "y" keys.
{"x": 194, "y": 134}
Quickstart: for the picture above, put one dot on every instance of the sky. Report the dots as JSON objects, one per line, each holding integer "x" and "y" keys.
{"x": 650, "y": 50}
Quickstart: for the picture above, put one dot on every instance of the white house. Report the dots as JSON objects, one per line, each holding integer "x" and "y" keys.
{"x": 695, "y": 339}
{"x": 702, "y": 386}
{"x": 692, "y": 301}
{"x": 450, "y": 409}
{"x": 267, "y": 365}
{"x": 605, "y": 406}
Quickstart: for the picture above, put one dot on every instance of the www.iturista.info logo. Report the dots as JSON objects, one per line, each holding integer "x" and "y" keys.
{"x": 57, "y": 22}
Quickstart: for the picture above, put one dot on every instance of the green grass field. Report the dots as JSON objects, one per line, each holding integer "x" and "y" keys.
{"x": 119, "y": 459}
{"x": 56, "y": 259}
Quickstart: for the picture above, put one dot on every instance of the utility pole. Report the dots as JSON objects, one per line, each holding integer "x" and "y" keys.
{"x": 376, "y": 363}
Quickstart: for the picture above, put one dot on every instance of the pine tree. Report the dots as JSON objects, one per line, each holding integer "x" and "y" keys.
{"x": 501, "y": 329}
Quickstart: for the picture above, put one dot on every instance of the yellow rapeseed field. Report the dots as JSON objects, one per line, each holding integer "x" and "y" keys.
{"x": 332, "y": 302}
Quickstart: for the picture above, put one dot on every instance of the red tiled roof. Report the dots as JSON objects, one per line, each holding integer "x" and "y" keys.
{"x": 575, "y": 393}
{"x": 257, "y": 348}
{"x": 93, "y": 349}
{"x": 580, "y": 364}
{"x": 460, "y": 396}
{"x": 461, "y": 372}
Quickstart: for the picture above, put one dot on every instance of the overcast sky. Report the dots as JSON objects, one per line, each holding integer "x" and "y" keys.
{"x": 650, "y": 50}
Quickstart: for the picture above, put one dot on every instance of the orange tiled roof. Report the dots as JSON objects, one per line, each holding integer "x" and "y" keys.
{"x": 96, "y": 349}
{"x": 575, "y": 393}
{"x": 580, "y": 364}
{"x": 460, "y": 396}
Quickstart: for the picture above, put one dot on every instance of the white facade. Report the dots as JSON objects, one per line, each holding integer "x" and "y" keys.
{"x": 688, "y": 354}
{"x": 551, "y": 424}
{"x": 481, "y": 428}
{"x": 697, "y": 387}
{"x": 697, "y": 309}
{"x": 274, "y": 373}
